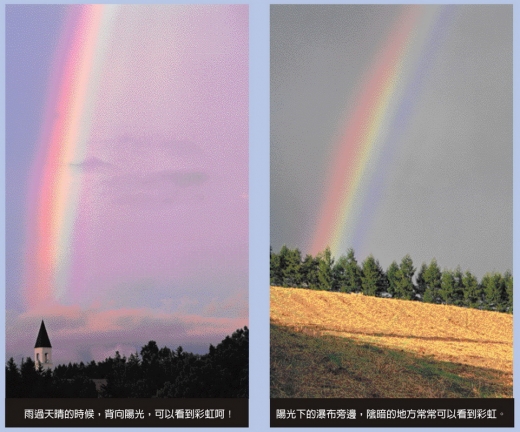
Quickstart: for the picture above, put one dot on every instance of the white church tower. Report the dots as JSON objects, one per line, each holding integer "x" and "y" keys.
{"x": 43, "y": 349}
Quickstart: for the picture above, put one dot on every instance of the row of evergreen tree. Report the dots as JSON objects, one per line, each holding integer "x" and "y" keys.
{"x": 223, "y": 372}
{"x": 431, "y": 285}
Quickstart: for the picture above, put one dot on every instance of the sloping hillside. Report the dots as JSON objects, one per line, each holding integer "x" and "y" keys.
{"x": 471, "y": 349}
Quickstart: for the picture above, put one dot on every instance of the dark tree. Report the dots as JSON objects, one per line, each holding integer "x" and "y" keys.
{"x": 13, "y": 380}
{"x": 223, "y": 372}
{"x": 117, "y": 385}
{"x": 78, "y": 387}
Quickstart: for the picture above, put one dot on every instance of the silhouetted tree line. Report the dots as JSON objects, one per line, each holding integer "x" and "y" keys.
{"x": 452, "y": 287}
{"x": 154, "y": 372}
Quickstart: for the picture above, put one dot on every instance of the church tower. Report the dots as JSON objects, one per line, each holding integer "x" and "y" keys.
{"x": 43, "y": 349}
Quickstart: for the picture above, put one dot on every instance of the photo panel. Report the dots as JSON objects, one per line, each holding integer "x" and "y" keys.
{"x": 391, "y": 299}
{"x": 127, "y": 215}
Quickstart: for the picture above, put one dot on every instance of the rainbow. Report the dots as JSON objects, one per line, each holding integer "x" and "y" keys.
{"x": 370, "y": 137}
{"x": 55, "y": 184}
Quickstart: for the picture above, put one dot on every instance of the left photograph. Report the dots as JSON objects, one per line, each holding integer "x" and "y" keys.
{"x": 127, "y": 205}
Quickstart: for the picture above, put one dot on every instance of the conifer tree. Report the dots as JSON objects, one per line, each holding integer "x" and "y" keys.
{"x": 338, "y": 274}
{"x": 284, "y": 257}
{"x": 373, "y": 280}
{"x": 421, "y": 282}
{"x": 458, "y": 294}
{"x": 508, "y": 282}
{"x": 404, "y": 284}
{"x": 276, "y": 274}
{"x": 432, "y": 279}
{"x": 325, "y": 264}
{"x": 292, "y": 272}
{"x": 346, "y": 273}
{"x": 494, "y": 292}
{"x": 447, "y": 291}
{"x": 309, "y": 270}
{"x": 472, "y": 291}
{"x": 391, "y": 275}
{"x": 13, "y": 380}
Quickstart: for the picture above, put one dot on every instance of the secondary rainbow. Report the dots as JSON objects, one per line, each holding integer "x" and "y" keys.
{"x": 55, "y": 182}
{"x": 370, "y": 130}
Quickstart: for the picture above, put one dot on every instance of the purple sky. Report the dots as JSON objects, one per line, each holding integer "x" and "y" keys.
{"x": 161, "y": 231}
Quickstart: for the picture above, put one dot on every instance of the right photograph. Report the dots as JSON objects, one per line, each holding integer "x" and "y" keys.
{"x": 391, "y": 202}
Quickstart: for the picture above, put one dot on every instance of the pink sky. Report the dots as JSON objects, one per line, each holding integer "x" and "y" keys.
{"x": 160, "y": 240}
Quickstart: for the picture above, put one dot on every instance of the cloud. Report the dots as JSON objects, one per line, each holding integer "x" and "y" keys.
{"x": 91, "y": 164}
{"x": 151, "y": 171}
{"x": 157, "y": 188}
{"x": 235, "y": 305}
{"x": 85, "y": 335}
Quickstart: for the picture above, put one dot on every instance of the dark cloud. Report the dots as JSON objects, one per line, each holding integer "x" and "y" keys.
{"x": 91, "y": 164}
{"x": 157, "y": 188}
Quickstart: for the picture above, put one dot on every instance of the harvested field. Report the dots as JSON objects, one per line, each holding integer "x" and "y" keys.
{"x": 476, "y": 342}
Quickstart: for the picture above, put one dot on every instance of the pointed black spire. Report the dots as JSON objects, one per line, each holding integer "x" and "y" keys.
{"x": 43, "y": 338}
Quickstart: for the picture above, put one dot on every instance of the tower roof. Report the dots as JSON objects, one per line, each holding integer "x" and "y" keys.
{"x": 43, "y": 338}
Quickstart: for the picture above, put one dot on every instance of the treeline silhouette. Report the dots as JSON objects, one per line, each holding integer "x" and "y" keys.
{"x": 452, "y": 287}
{"x": 154, "y": 372}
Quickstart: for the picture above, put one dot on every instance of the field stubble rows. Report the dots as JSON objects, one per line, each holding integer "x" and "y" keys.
{"x": 462, "y": 336}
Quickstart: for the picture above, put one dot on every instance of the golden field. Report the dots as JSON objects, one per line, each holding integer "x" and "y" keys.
{"x": 479, "y": 340}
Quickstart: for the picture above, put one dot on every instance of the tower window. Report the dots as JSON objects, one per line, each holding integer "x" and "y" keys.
{"x": 46, "y": 357}
{"x": 37, "y": 356}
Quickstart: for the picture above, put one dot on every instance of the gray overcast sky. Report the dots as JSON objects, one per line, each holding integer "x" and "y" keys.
{"x": 446, "y": 172}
